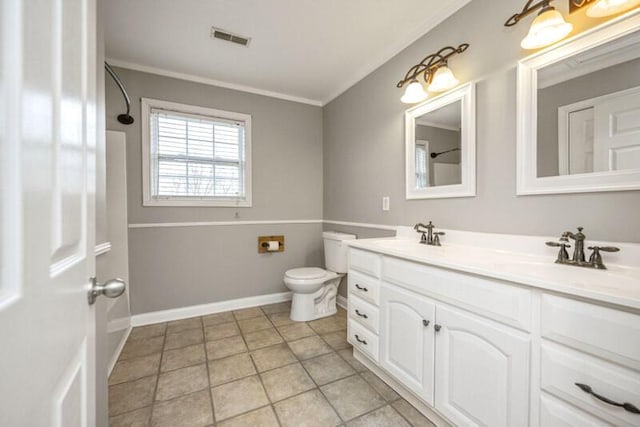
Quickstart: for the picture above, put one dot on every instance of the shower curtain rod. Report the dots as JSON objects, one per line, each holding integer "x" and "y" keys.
{"x": 126, "y": 118}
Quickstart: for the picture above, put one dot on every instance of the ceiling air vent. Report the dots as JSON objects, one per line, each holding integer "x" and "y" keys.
{"x": 217, "y": 33}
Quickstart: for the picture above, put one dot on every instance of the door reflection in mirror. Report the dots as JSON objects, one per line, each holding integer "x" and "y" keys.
{"x": 589, "y": 111}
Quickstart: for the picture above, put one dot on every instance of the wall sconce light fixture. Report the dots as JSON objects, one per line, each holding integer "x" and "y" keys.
{"x": 602, "y": 8}
{"x": 548, "y": 27}
{"x": 434, "y": 71}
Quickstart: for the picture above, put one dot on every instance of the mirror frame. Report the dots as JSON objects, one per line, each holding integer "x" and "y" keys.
{"x": 467, "y": 187}
{"x": 528, "y": 182}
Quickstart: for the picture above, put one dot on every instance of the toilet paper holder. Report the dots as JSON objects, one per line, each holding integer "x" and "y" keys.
{"x": 266, "y": 244}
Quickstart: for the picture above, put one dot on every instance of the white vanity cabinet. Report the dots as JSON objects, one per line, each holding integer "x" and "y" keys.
{"x": 473, "y": 350}
{"x": 472, "y": 370}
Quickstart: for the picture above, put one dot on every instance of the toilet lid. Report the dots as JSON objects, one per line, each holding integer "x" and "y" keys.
{"x": 306, "y": 273}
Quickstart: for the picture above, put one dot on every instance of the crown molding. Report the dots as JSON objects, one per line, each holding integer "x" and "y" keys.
{"x": 211, "y": 82}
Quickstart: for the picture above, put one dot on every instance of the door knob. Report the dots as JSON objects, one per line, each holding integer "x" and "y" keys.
{"x": 111, "y": 289}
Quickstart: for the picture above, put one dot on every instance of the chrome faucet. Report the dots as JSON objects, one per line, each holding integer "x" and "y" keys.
{"x": 578, "y": 258}
{"x": 428, "y": 237}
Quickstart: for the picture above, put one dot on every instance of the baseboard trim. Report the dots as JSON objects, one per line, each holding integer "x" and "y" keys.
{"x": 342, "y": 302}
{"x": 116, "y": 354}
{"x": 425, "y": 409}
{"x": 204, "y": 309}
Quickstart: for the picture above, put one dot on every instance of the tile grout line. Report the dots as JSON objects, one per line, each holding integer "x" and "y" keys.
{"x": 155, "y": 389}
{"x": 206, "y": 364}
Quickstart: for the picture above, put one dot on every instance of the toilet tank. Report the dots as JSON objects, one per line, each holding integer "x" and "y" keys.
{"x": 336, "y": 250}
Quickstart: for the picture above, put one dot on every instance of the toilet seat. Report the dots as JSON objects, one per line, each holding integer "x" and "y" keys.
{"x": 308, "y": 273}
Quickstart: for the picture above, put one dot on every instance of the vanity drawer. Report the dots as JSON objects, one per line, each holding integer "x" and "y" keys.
{"x": 365, "y": 262}
{"x": 562, "y": 368}
{"x": 604, "y": 332}
{"x": 363, "y": 339}
{"x": 494, "y": 299}
{"x": 364, "y": 287}
{"x": 364, "y": 313}
{"x": 556, "y": 413}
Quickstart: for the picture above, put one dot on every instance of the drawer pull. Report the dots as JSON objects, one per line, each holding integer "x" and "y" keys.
{"x": 425, "y": 322}
{"x": 627, "y": 406}
{"x": 362, "y": 288}
{"x": 361, "y": 315}
{"x": 437, "y": 327}
{"x": 359, "y": 340}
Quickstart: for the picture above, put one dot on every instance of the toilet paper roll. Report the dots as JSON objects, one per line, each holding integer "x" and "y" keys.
{"x": 274, "y": 245}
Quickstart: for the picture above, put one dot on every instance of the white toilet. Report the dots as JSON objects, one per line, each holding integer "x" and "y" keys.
{"x": 314, "y": 289}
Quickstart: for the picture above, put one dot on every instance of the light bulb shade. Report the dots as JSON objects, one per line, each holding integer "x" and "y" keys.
{"x": 547, "y": 28}
{"x": 414, "y": 93}
{"x": 443, "y": 80}
{"x": 602, "y": 8}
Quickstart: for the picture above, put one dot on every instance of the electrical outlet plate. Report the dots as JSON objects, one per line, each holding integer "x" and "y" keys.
{"x": 385, "y": 203}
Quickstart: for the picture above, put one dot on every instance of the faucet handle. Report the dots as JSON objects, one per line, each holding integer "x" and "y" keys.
{"x": 563, "y": 255}
{"x": 605, "y": 248}
{"x": 596, "y": 259}
{"x": 558, "y": 244}
{"x": 436, "y": 237}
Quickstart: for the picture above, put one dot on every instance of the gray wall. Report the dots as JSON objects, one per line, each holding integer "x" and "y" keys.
{"x": 173, "y": 267}
{"x": 364, "y": 150}
{"x": 609, "y": 80}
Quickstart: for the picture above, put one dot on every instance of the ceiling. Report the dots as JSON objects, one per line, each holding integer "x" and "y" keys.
{"x": 306, "y": 50}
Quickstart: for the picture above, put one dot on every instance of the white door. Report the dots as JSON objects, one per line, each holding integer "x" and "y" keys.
{"x": 482, "y": 371}
{"x": 617, "y": 132}
{"x": 47, "y": 167}
{"x": 406, "y": 339}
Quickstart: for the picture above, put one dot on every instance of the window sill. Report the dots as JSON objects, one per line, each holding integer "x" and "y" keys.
{"x": 246, "y": 203}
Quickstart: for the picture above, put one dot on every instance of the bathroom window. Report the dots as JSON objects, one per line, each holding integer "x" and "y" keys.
{"x": 195, "y": 156}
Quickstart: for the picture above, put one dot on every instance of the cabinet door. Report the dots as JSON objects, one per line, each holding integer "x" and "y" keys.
{"x": 482, "y": 375}
{"x": 406, "y": 339}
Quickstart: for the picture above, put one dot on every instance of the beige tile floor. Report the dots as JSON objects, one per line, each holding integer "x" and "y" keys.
{"x": 251, "y": 367}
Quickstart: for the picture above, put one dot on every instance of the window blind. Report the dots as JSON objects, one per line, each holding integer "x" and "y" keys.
{"x": 422, "y": 172}
{"x": 196, "y": 156}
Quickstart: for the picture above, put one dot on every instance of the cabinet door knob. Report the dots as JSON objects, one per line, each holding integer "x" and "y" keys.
{"x": 626, "y": 406}
{"x": 359, "y": 340}
{"x": 437, "y": 327}
{"x": 425, "y": 322}
{"x": 361, "y": 315}
{"x": 361, "y": 288}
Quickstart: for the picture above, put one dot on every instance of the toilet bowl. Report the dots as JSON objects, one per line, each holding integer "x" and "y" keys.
{"x": 314, "y": 292}
{"x": 315, "y": 289}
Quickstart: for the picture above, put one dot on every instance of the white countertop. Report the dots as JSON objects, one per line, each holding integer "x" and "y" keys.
{"x": 619, "y": 284}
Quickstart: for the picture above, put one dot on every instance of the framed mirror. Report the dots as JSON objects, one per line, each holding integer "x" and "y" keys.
{"x": 579, "y": 113}
{"x": 440, "y": 146}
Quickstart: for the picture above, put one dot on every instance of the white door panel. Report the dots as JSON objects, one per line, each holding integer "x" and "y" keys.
{"x": 617, "y": 132}
{"x": 482, "y": 375}
{"x": 47, "y": 221}
{"x": 407, "y": 339}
